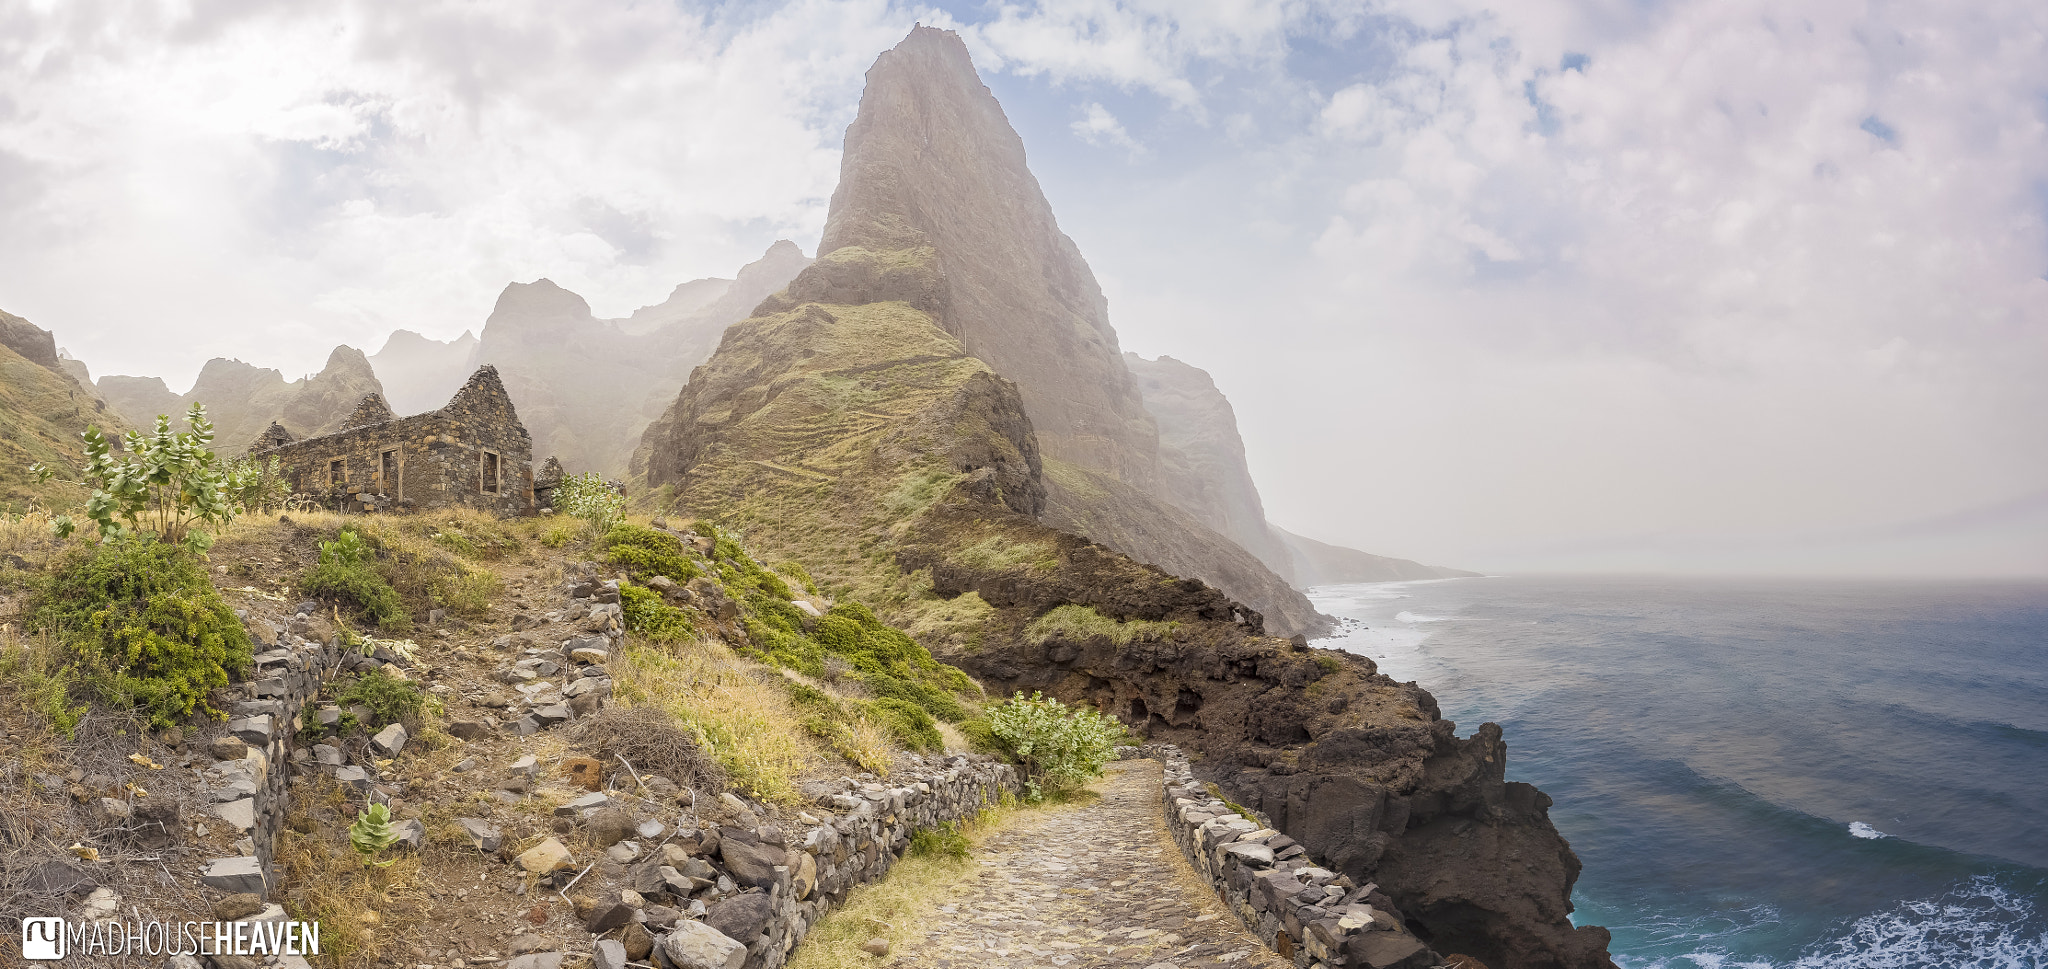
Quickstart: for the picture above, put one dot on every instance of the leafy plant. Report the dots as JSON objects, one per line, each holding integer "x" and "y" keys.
{"x": 254, "y": 485}
{"x": 345, "y": 573}
{"x": 144, "y": 627}
{"x": 592, "y": 499}
{"x": 167, "y": 484}
{"x": 1060, "y": 746}
{"x": 372, "y": 833}
{"x": 646, "y": 552}
{"x": 389, "y": 699}
{"x": 943, "y": 841}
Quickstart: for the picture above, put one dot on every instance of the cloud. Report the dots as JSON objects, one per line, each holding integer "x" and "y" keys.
{"x": 302, "y": 176}
{"x": 1097, "y": 126}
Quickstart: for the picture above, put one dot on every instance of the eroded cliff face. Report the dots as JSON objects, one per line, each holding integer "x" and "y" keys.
{"x": 933, "y": 166}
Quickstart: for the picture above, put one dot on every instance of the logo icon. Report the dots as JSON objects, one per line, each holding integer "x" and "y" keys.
{"x": 42, "y": 940}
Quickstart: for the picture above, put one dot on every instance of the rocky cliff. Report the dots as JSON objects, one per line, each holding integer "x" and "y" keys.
{"x": 242, "y": 399}
{"x": 1204, "y": 473}
{"x": 853, "y": 425}
{"x": 43, "y": 409}
{"x": 932, "y": 166}
{"x": 1202, "y": 464}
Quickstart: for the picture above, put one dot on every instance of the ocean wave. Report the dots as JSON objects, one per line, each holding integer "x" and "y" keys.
{"x": 1860, "y": 830}
{"x": 1981, "y": 924}
{"x": 1410, "y": 617}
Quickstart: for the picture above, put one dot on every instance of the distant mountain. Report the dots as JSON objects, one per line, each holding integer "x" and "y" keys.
{"x": 587, "y": 387}
{"x": 1317, "y": 563}
{"x": 1203, "y": 471}
{"x": 420, "y": 374}
{"x": 242, "y": 399}
{"x": 43, "y": 409}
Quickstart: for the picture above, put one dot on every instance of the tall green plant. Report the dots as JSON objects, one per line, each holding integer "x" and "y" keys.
{"x": 167, "y": 484}
{"x": 1061, "y": 746}
{"x": 592, "y": 499}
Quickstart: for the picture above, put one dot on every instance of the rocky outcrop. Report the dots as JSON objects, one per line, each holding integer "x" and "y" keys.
{"x": 937, "y": 208}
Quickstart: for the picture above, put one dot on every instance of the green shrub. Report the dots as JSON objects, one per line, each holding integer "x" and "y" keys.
{"x": 944, "y": 841}
{"x": 39, "y": 677}
{"x": 647, "y": 615}
{"x": 1061, "y": 747}
{"x": 982, "y": 737}
{"x": 913, "y": 727}
{"x": 468, "y": 593}
{"x": 647, "y": 553}
{"x": 590, "y": 498}
{"x": 144, "y": 627}
{"x": 931, "y": 699}
{"x": 389, "y": 699}
{"x": 345, "y": 573}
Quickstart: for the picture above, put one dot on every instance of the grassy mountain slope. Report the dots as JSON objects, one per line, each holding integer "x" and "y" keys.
{"x": 43, "y": 409}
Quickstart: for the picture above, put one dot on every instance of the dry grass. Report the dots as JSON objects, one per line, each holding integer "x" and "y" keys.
{"x": 902, "y": 906}
{"x": 745, "y": 721}
{"x": 647, "y": 738}
{"x": 360, "y": 907}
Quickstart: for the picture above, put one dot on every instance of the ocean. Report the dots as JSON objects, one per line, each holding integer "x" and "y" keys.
{"x": 1781, "y": 773}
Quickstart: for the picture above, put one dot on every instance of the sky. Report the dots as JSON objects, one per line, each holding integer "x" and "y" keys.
{"x": 1618, "y": 285}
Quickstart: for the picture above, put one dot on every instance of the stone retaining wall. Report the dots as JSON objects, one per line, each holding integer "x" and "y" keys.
{"x": 1303, "y": 911}
{"x": 250, "y": 785}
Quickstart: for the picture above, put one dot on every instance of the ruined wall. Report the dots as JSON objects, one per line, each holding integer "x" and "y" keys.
{"x": 439, "y": 459}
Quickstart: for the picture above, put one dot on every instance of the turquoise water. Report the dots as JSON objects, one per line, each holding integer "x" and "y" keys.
{"x": 1760, "y": 773}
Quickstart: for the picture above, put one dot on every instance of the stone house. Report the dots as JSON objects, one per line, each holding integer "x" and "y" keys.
{"x": 472, "y": 452}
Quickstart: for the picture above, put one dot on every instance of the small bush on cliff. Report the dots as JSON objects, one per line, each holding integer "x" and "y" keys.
{"x": 647, "y": 615}
{"x": 144, "y": 627}
{"x": 1061, "y": 747}
{"x": 346, "y": 573}
{"x": 913, "y": 727}
{"x": 647, "y": 553}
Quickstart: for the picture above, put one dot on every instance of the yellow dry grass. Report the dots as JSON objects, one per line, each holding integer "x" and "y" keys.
{"x": 358, "y": 905}
{"x": 738, "y": 715}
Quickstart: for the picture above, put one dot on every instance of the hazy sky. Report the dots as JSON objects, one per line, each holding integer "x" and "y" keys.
{"x": 1736, "y": 285}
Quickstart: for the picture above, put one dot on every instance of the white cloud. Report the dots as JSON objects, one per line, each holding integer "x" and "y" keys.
{"x": 1097, "y": 126}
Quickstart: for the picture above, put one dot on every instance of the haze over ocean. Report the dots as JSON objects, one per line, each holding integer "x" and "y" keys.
{"x": 1760, "y": 772}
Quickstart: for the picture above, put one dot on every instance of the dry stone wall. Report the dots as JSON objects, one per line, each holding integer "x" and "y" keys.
{"x": 1300, "y": 909}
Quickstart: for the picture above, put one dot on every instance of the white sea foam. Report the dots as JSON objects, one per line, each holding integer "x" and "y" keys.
{"x": 1980, "y": 925}
{"x": 1410, "y": 617}
{"x": 1861, "y": 830}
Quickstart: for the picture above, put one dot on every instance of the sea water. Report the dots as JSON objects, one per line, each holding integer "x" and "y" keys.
{"x": 1784, "y": 773}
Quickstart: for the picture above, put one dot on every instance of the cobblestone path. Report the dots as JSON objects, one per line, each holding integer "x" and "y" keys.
{"x": 1098, "y": 886}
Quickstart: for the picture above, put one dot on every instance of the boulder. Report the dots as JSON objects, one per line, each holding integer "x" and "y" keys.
{"x": 548, "y": 856}
{"x": 751, "y": 865}
{"x": 390, "y": 740}
{"x": 741, "y": 917}
{"x": 694, "y": 945}
{"x": 610, "y": 955}
{"x": 237, "y": 875}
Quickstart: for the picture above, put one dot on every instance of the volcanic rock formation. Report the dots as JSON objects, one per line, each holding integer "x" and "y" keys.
{"x": 902, "y": 421}
{"x": 43, "y": 408}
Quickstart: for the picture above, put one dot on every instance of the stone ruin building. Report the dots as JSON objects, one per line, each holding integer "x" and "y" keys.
{"x": 474, "y": 452}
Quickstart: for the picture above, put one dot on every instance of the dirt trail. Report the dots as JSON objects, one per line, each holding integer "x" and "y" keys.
{"x": 1099, "y": 884}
